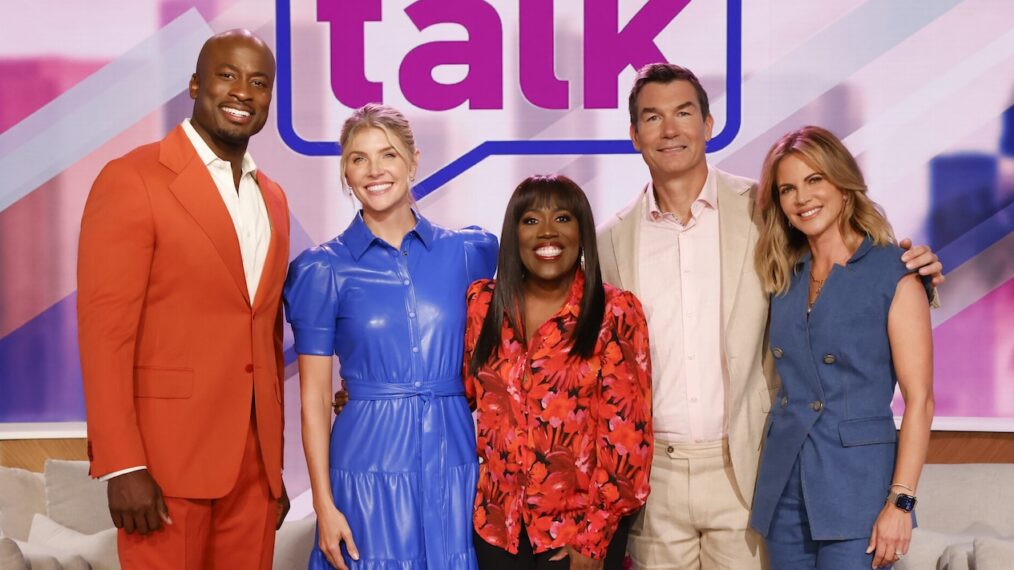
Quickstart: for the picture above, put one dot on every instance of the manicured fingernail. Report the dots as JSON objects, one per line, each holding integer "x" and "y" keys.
{"x": 354, "y": 555}
{"x": 869, "y": 550}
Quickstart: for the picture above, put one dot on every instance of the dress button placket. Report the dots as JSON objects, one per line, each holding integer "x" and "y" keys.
{"x": 410, "y": 303}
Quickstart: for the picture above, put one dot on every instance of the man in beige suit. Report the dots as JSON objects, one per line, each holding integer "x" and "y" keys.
{"x": 685, "y": 248}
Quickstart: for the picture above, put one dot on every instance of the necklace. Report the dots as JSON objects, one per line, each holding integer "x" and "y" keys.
{"x": 818, "y": 284}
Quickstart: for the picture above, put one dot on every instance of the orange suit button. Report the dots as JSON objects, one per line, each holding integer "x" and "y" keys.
{"x": 249, "y": 368}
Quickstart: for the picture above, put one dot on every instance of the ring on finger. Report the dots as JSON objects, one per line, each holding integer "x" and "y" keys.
{"x": 898, "y": 555}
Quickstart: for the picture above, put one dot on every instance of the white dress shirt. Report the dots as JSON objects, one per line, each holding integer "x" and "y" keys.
{"x": 245, "y": 205}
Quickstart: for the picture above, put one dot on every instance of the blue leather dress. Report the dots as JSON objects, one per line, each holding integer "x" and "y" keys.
{"x": 403, "y": 460}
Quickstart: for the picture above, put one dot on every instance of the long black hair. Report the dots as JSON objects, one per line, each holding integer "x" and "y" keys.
{"x": 536, "y": 192}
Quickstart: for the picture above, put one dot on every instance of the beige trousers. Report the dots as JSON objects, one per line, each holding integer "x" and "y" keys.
{"x": 695, "y": 517}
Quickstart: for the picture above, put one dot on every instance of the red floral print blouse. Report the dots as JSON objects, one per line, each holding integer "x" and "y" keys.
{"x": 565, "y": 444}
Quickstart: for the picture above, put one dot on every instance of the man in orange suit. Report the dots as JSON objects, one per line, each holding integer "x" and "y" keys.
{"x": 184, "y": 245}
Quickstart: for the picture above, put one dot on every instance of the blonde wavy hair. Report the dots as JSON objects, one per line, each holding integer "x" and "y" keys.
{"x": 780, "y": 245}
{"x": 386, "y": 118}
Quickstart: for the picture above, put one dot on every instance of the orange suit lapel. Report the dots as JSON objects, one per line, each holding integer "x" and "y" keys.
{"x": 278, "y": 247}
{"x": 196, "y": 191}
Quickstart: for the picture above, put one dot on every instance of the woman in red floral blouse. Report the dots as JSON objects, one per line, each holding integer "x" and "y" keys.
{"x": 557, "y": 366}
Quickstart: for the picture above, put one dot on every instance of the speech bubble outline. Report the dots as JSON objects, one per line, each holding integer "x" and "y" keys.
{"x": 287, "y": 130}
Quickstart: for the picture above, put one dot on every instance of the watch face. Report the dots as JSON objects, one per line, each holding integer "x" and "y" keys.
{"x": 905, "y": 502}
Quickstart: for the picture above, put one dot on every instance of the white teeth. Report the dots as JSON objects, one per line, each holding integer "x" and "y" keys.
{"x": 236, "y": 112}
{"x": 809, "y": 213}
{"x": 548, "y": 251}
{"x": 378, "y": 187}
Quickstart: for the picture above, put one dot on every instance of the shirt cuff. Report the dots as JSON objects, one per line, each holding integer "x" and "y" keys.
{"x": 122, "y": 472}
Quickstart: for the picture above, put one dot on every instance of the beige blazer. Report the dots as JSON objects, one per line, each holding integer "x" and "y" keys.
{"x": 752, "y": 380}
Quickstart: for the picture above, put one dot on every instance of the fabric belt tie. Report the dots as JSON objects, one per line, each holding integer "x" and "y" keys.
{"x": 432, "y": 452}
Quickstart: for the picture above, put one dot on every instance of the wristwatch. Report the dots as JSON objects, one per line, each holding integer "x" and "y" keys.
{"x": 902, "y": 501}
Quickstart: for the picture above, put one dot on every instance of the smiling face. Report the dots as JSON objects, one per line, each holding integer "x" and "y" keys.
{"x": 232, "y": 91}
{"x": 811, "y": 203}
{"x": 671, "y": 133}
{"x": 376, "y": 172}
{"x": 549, "y": 243}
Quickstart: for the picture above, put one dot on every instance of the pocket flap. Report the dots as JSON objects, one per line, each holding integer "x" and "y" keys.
{"x": 866, "y": 431}
{"x": 163, "y": 382}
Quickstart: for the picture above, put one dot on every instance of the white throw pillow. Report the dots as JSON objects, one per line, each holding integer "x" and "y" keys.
{"x": 957, "y": 557}
{"x": 993, "y": 554}
{"x": 42, "y": 558}
{"x": 927, "y": 547}
{"x": 98, "y": 549}
{"x": 293, "y": 543}
{"x": 10, "y": 555}
{"x": 74, "y": 499}
{"x": 22, "y": 494}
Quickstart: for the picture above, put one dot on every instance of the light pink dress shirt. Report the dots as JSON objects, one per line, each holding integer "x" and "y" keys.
{"x": 680, "y": 281}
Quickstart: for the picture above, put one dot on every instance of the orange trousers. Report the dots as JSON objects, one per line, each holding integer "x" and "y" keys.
{"x": 235, "y": 531}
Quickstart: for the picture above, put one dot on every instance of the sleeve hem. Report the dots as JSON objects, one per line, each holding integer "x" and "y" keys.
{"x": 313, "y": 341}
{"x": 109, "y": 476}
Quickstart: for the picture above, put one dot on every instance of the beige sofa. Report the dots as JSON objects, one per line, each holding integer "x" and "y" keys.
{"x": 966, "y": 519}
{"x": 59, "y": 520}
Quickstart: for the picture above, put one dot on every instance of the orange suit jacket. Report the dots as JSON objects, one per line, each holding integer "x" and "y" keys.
{"x": 173, "y": 351}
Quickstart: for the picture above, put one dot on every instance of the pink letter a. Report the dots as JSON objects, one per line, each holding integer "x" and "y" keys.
{"x": 483, "y": 53}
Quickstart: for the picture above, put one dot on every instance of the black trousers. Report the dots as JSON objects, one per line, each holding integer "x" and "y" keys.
{"x": 495, "y": 558}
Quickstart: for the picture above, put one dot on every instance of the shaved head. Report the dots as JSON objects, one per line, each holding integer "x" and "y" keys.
{"x": 237, "y": 35}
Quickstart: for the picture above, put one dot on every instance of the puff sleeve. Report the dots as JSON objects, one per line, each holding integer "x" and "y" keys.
{"x": 481, "y": 250}
{"x": 311, "y": 302}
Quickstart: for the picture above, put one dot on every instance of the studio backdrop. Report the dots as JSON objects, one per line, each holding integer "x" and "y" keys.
{"x": 496, "y": 90}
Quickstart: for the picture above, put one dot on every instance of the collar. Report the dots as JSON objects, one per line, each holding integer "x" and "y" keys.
{"x": 861, "y": 251}
{"x": 358, "y": 237}
{"x": 707, "y": 198}
{"x": 208, "y": 156}
{"x": 572, "y": 306}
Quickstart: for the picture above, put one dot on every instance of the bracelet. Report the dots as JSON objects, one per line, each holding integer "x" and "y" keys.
{"x": 903, "y": 486}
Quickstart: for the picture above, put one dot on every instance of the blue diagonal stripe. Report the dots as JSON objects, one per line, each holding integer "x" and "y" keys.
{"x": 977, "y": 239}
{"x": 100, "y": 107}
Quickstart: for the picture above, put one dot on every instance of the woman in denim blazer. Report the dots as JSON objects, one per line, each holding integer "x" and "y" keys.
{"x": 848, "y": 322}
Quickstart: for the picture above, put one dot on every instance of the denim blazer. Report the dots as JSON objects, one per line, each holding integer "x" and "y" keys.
{"x": 833, "y": 411}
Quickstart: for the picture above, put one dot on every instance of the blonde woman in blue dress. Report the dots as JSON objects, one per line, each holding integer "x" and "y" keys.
{"x": 394, "y": 488}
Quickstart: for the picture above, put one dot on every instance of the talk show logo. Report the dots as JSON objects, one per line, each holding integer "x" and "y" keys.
{"x": 609, "y": 46}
